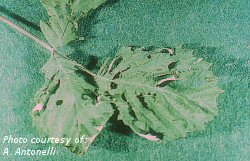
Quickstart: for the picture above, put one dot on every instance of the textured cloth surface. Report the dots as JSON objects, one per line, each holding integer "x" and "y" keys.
{"x": 220, "y": 28}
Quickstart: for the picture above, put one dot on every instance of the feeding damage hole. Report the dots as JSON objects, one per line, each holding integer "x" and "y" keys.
{"x": 172, "y": 65}
{"x": 113, "y": 85}
{"x": 59, "y": 102}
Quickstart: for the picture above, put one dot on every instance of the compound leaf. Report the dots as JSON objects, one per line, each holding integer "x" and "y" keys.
{"x": 159, "y": 94}
{"x": 68, "y": 105}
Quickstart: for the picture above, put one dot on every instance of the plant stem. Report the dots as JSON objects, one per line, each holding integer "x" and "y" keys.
{"x": 48, "y": 47}
{"x": 19, "y": 29}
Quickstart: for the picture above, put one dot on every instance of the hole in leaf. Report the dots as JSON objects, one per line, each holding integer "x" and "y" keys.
{"x": 142, "y": 100}
{"x": 172, "y": 65}
{"x": 131, "y": 112}
{"x": 117, "y": 75}
{"x": 118, "y": 61}
{"x": 59, "y": 102}
{"x": 149, "y": 56}
{"x": 89, "y": 93}
{"x": 113, "y": 85}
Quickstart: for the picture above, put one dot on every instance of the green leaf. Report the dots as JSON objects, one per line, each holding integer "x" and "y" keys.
{"x": 60, "y": 30}
{"x": 63, "y": 19}
{"x": 85, "y": 6}
{"x": 68, "y": 105}
{"x": 160, "y": 95}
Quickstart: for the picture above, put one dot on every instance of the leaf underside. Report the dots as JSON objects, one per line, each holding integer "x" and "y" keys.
{"x": 161, "y": 96}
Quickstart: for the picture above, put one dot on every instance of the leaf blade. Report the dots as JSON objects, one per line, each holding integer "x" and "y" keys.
{"x": 157, "y": 96}
{"x": 63, "y": 19}
{"x": 70, "y": 105}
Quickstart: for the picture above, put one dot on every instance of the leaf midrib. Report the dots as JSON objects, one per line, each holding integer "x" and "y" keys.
{"x": 69, "y": 85}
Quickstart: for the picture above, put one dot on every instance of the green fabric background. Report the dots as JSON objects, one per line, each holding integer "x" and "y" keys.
{"x": 220, "y": 28}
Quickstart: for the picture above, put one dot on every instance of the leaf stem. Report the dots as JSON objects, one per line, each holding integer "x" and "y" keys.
{"x": 45, "y": 45}
{"x": 26, "y": 33}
